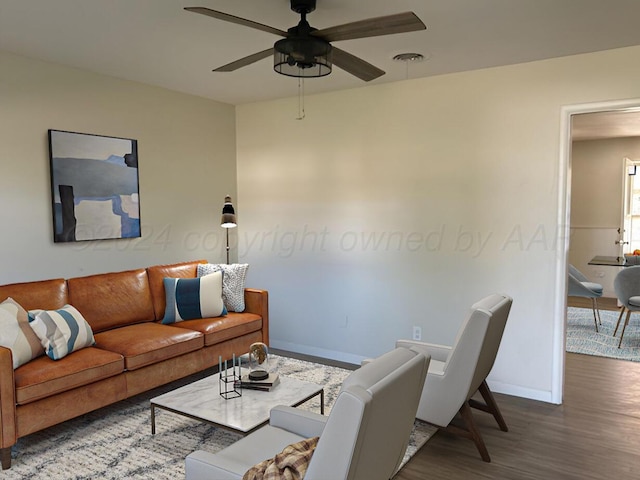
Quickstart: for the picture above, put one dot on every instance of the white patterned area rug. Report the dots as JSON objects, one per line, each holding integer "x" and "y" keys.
{"x": 115, "y": 442}
{"x": 583, "y": 338}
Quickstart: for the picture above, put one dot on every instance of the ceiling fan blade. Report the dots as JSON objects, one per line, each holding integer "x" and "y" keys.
{"x": 355, "y": 66}
{"x": 243, "y": 62}
{"x": 233, "y": 19}
{"x": 372, "y": 27}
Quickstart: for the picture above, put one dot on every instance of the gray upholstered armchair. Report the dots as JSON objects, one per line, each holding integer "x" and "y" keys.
{"x": 457, "y": 372}
{"x": 363, "y": 438}
{"x": 580, "y": 286}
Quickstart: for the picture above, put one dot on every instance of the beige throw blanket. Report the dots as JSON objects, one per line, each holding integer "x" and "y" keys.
{"x": 290, "y": 464}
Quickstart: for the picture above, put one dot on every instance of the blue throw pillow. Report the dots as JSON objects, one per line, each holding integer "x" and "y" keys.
{"x": 190, "y": 298}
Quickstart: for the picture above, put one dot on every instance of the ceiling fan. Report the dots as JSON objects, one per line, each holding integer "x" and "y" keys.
{"x": 307, "y": 52}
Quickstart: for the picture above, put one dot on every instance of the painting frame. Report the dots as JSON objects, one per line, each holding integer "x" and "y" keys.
{"x": 95, "y": 186}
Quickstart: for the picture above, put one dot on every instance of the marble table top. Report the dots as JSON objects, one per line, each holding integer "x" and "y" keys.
{"x": 202, "y": 400}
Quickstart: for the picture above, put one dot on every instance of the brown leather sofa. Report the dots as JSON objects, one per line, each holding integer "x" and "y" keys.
{"x": 134, "y": 351}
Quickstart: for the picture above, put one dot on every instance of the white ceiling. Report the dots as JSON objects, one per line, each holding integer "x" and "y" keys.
{"x": 157, "y": 42}
{"x": 614, "y": 124}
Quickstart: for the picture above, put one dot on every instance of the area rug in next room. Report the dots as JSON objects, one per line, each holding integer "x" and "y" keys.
{"x": 583, "y": 338}
{"x": 116, "y": 442}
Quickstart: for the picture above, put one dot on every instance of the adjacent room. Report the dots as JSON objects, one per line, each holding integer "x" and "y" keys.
{"x": 225, "y": 216}
{"x": 604, "y": 232}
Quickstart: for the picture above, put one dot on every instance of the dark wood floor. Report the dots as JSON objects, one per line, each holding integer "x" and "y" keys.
{"x": 595, "y": 434}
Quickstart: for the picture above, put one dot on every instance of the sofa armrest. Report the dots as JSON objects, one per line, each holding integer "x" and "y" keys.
{"x": 257, "y": 301}
{"x": 301, "y": 422}
{"x": 8, "y": 432}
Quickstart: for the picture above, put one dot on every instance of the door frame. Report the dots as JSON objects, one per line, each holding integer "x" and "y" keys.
{"x": 564, "y": 217}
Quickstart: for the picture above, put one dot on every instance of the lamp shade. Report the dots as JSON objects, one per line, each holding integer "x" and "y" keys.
{"x": 228, "y": 214}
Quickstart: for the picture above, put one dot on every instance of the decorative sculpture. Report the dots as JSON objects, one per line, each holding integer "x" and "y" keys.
{"x": 258, "y": 361}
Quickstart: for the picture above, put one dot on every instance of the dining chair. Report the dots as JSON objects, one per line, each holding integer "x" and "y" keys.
{"x": 580, "y": 286}
{"x": 627, "y": 287}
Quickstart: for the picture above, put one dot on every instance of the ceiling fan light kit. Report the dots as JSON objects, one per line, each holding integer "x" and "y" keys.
{"x": 302, "y": 56}
{"x": 307, "y": 52}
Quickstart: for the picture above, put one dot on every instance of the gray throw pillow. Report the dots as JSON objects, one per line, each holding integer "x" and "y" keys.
{"x": 233, "y": 282}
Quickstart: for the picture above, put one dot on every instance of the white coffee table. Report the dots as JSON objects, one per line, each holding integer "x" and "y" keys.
{"x": 201, "y": 401}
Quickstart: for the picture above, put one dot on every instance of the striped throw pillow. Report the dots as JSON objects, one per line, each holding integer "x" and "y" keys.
{"x": 16, "y": 335}
{"x": 190, "y": 298}
{"x": 61, "y": 331}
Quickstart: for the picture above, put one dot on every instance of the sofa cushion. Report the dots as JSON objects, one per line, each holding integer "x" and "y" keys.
{"x": 220, "y": 329}
{"x": 44, "y": 377}
{"x": 111, "y": 300}
{"x": 189, "y": 298}
{"x": 158, "y": 273}
{"x": 233, "y": 283}
{"x": 146, "y": 343}
{"x": 16, "y": 334}
{"x": 47, "y": 294}
{"x": 61, "y": 331}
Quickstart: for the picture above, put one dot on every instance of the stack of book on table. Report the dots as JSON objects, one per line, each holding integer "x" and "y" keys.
{"x": 265, "y": 385}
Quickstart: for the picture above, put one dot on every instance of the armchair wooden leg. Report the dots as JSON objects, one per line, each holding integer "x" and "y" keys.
{"x": 471, "y": 432}
{"x": 490, "y": 406}
{"x": 467, "y": 415}
{"x": 5, "y": 456}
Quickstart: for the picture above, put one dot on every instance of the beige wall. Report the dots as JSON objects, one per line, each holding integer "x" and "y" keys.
{"x": 596, "y": 203}
{"x": 457, "y": 177}
{"x": 387, "y": 207}
{"x": 186, "y": 161}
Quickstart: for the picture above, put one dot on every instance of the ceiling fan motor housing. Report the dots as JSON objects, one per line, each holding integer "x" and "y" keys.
{"x": 301, "y": 54}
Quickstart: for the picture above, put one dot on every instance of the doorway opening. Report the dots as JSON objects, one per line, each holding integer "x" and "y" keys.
{"x": 599, "y": 125}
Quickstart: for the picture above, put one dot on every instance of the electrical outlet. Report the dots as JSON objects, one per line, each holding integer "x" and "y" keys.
{"x": 417, "y": 333}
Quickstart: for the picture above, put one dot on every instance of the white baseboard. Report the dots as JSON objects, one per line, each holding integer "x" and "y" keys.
{"x": 518, "y": 391}
{"x": 318, "y": 352}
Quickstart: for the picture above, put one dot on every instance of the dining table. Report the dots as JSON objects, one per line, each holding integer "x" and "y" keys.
{"x": 612, "y": 261}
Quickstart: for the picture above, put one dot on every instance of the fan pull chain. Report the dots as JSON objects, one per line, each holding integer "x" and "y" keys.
{"x": 301, "y": 113}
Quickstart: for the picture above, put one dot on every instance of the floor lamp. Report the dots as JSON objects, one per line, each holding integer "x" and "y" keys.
{"x": 228, "y": 219}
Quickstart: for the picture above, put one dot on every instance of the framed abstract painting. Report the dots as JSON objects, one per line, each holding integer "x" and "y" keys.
{"x": 94, "y": 186}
